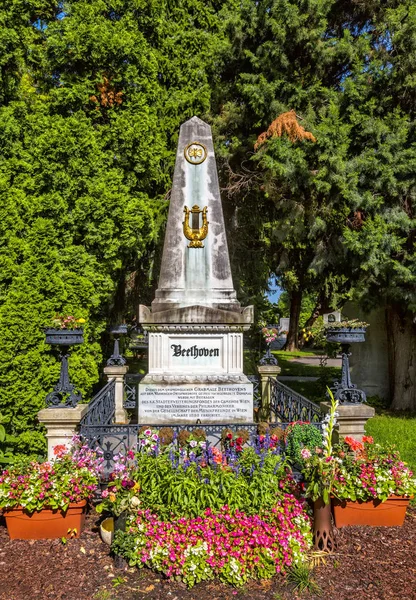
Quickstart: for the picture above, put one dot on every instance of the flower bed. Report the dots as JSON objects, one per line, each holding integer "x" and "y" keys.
{"x": 195, "y": 512}
{"x": 230, "y": 545}
{"x": 185, "y": 482}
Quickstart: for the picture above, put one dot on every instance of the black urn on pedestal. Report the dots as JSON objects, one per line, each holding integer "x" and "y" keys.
{"x": 345, "y": 391}
{"x": 64, "y": 394}
{"x": 116, "y": 359}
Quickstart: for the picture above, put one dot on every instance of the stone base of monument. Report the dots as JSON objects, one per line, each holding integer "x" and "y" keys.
{"x": 195, "y": 376}
{"x": 195, "y": 402}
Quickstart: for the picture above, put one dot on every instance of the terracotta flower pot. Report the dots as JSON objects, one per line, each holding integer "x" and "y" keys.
{"x": 45, "y": 523}
{"x": 374, "y": 513}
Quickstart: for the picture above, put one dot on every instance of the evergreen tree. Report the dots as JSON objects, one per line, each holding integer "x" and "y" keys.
{"x": 339, "y": 211}
{"x": 381, "y": 233}
{"x": 285, "y": 64}
{"x": 87, "y": 132}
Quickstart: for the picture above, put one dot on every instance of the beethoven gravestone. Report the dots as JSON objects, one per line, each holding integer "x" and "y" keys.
{"x": 195, "y": 323}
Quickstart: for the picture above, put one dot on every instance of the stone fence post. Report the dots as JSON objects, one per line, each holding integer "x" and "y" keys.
{"x": 61, "y": 425}
{"x": 266, "y": 372}
{"x": 351, "y": 420}
{"x": 118, "y": 373}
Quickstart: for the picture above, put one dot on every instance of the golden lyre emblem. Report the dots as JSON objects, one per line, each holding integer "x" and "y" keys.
{"x": 195, "y": 153}
{"x": 193, "y": 231}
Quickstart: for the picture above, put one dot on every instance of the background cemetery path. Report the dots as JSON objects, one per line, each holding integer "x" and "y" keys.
{"x": 370, "y": 564}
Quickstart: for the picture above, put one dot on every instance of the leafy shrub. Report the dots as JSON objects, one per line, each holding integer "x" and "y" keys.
{"x": 301, "y": 436}
{"x": 251, "y": 481}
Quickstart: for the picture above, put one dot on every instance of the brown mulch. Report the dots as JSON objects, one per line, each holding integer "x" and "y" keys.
{"x": 369, "y": 564}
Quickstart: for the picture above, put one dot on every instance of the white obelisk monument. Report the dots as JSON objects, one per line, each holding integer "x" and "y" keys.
{"x": 195, "y": 323}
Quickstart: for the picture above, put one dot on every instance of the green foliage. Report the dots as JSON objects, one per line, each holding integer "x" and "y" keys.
{"x": 300, "y": 576}
{"x": 187, "y": 490}
{"x": 5, "y": 454}
{"x": 388, "y": 429}
{"x": 300, "y": 436}
{"x": 92, "y": 93}
{"x": 307, "y": 306}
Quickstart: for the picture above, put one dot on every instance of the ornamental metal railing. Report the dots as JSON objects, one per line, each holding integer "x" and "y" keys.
{"x": 102, "y": 407}
{"x": 131, "y": 390}
{"x": 118, "y": 439}
{"x": 287, "y": 406}
{"x": 97, "y": 428}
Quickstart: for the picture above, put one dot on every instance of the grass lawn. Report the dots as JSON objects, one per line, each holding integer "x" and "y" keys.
{"x": 288, "y": 367}
{"x": 299, "y": 370}
{"x": 396, "y": 429}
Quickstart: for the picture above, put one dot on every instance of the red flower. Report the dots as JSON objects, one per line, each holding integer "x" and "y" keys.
{"x": 368, "y": 439}
{"x": 353, "y": 444}
{"x": 229, "y": 436}
{"x": 59, "y": 450}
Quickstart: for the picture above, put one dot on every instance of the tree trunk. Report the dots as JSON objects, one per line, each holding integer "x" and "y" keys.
{"x": 321, "y": 307}
{"x": 401, "y": 335}
{"x": 292, "y": 342}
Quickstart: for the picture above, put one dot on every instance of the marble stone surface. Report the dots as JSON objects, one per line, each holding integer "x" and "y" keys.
{"x": 189, "y": 403}
{"x": 195, "y": 284}
{"x": 194, "y": 353}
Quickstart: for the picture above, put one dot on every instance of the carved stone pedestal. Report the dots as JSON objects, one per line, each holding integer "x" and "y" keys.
{"x": 351, "y": 420}
{"x": 61, "y": 424}
{"x": 266, "y": 372}
{"x": 118, "y": 373}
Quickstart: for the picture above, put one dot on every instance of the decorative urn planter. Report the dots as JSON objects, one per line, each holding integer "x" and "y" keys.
{"x": 345, "y": 391}
{"x": 64, "y": 337}
{"x": 45, "y": 523}
{"x": 346, "y": 335}
{"x": 374, "y": 513}
{"x": 64, "y": 395}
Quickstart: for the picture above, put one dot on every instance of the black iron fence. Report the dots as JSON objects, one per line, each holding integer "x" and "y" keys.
{"x": 287, "y": 406}
{"x": 101, "y": 409}
{"x": 131, "y": 390}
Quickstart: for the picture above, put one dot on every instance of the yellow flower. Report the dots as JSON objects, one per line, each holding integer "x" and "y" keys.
{"x": 80, "y": 320}
{"x": 112, "y": 497}
{"x": 136, "y": 487}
